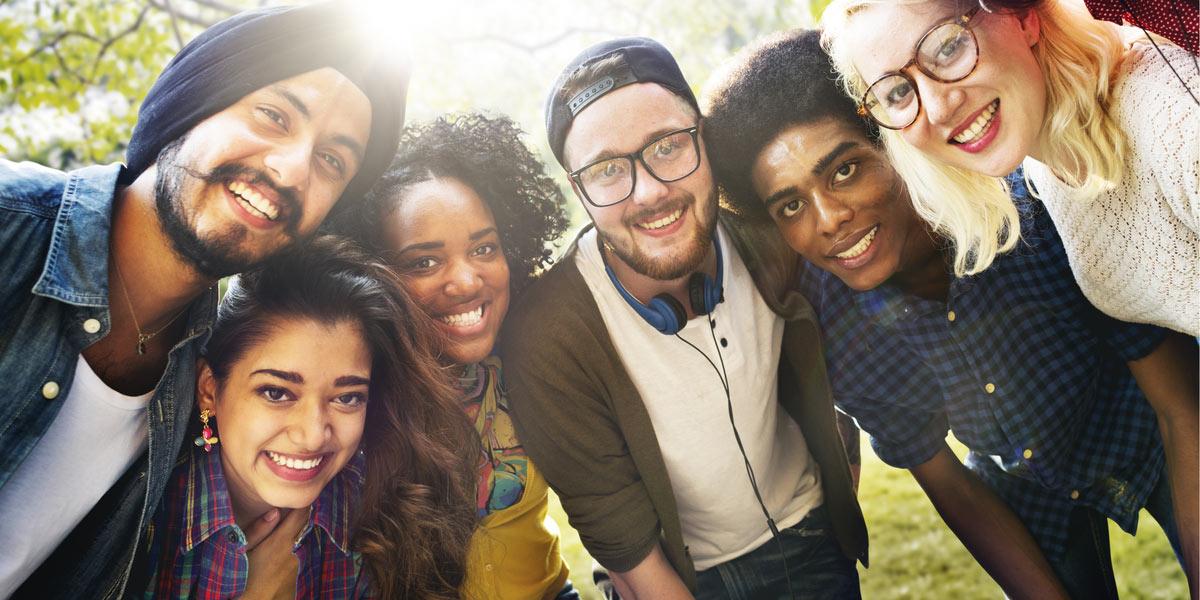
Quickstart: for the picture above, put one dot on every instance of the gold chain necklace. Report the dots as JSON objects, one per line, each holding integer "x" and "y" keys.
{"x": 142, "y": 337}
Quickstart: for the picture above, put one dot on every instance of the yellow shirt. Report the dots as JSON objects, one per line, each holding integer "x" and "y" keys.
{"x": 513, "y": 554}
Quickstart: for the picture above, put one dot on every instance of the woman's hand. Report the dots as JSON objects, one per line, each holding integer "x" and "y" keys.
{"x": 273, "y": 566}
{"x": 261, "y": 528}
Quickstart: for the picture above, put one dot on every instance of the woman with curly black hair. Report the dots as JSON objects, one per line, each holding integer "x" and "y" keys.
{"x": 466, "y": 214}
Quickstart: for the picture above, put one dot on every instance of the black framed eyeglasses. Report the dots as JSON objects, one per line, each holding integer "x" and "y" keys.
{"x": 667, "y": 158}
{"x": 946, "y": 53}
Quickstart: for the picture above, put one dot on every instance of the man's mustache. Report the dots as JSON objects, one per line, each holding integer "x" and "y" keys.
{"x": 223, "y": 174}
{"x": 666, "y": 207}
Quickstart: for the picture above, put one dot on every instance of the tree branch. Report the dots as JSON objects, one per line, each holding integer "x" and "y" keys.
{"x": 174, "y": 22}
{"x": 53, "y": 44}
{"x": 62, "y": 62}
{"x": 182, "y": 16}
{"x": 114, "y": 39}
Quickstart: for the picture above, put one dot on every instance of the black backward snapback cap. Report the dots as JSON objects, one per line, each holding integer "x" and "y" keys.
{"x": 256, "y": 48}
{"x": 645, "y": 61}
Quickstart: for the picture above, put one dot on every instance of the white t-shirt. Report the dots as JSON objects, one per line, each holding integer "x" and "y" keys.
{"x": 720, "y": 517}
{"x": 1135, "y": 249}
{"x": 95, "y": 437}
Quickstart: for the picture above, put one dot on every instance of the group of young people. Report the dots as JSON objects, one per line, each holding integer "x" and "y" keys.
{"x": 930, "y": 217}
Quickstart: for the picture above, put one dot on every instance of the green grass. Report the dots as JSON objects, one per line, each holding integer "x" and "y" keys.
{"x": 914, "y": 554}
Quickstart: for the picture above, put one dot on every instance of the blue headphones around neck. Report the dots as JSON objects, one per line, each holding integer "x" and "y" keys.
{"x": 665, "y": 313}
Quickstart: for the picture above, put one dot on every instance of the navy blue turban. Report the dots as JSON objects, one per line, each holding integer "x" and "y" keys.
{"x": 253, "y": 49}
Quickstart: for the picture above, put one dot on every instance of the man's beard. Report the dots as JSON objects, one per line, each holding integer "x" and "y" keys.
{"x": 217, "y": 254}
{"x": 685, "y": 262}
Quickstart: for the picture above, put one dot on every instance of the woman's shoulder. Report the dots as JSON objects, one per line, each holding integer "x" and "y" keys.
{"x": 1155, "y": 60}
{"x": 1149, "y": 86}
{"x": 1159, "y": 117}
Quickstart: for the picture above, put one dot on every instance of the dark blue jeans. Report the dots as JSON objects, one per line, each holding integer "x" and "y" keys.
{"x": 815, "y": 563}
{"x": 568, "y": 592}
{"x": 1086, "y": 567}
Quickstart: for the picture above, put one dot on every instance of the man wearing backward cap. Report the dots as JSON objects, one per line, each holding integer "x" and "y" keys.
{"x": 662, "y": 375}
{"x": 243, "y": 146}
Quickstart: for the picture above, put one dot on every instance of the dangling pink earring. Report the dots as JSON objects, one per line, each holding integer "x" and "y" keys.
{"x": 206, "y": 437}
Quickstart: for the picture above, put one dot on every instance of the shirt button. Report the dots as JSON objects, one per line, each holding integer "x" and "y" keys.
{"x": 1028, "y": 453}
{"x": 91, "y": 326}
{"x": 50, "y": 390}
{"x": 950, "y": 316}
{"x": 989, "y": 388}
{"x": 1074, "y": 494}
{"x": 724, "y": 343}
{"x": 488, "y": 567}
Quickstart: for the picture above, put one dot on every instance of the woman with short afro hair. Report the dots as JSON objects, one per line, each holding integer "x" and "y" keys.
{"x": 486, "y": 154}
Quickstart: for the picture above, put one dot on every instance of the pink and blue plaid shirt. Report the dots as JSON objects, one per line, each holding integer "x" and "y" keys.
{"x": 197, "y": 552}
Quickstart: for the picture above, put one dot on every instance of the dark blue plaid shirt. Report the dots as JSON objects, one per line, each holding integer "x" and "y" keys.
{"x": 1024, "y": 370}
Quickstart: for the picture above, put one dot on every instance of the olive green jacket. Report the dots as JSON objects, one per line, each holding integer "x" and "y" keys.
{"x": 582, "y": 421}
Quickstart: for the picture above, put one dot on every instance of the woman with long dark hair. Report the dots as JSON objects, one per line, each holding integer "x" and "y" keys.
{"x": 318, "y": 396}
{"x": 466, "y": 213}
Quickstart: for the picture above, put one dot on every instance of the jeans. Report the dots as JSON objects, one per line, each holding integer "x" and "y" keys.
{"x": 815, "y": 563}
{"x": 1086, "y": 567}
{"x": 568, "y": 592}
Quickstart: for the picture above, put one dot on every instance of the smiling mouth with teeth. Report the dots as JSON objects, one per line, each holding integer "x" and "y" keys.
{"x": 979, "y": 126}
{"x": 663, "y": 222}
{"x": 860, "y": 247}
{"x": 467, "y": 319}
{"x": 292, "y": 463}
{"x": 253, "y": 202}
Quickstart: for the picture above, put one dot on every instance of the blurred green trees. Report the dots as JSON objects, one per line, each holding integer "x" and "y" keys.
{"x": 73, "y": 72}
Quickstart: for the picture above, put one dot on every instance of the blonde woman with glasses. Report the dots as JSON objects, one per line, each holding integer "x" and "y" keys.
{"x": 1106, "y": 132}
{"x": 1107, "y": 135}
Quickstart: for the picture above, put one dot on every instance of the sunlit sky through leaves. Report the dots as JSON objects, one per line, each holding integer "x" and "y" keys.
{"x": 502, "y": 56}
{"x": 495, "y": 56}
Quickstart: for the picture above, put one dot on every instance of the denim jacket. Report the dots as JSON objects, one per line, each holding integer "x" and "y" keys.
{"x": 54, "y": 241}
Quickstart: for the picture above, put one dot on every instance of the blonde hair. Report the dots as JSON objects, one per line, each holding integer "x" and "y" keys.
{"x": 1082, "y": 143}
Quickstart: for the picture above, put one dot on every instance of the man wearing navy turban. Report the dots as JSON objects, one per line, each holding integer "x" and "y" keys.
{"x": 247, "y": 141}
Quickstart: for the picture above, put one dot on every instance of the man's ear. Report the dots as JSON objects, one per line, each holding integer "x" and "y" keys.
{"x": 206, "y": 387}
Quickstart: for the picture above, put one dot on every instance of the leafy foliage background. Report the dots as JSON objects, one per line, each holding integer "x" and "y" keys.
{"x": 73, "y": 72}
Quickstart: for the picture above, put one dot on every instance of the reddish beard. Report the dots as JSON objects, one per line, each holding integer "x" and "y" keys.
{"x": 686, "y": 257}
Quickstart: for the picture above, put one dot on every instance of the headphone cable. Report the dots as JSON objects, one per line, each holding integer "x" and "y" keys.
{"x": 723, "y": 376}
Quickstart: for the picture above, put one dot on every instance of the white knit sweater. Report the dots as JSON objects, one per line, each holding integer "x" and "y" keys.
{"x": 1134, "y": 249}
